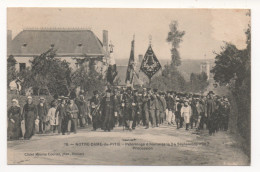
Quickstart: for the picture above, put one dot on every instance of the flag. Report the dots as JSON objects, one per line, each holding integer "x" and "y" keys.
{"x": 150, "y": 64}
{"x": 111, "y": 71}
{"x": 130, "y": 68}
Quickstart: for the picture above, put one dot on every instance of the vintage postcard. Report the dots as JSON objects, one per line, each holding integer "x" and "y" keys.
{"x": 122, "y": 86}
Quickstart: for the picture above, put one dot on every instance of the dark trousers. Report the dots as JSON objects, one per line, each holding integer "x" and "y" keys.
{"x": 150, "y": 114}
{"x": 41, "y": 126}
{"x": 95, "y": 122}
{"x": 157, "y": 116}
{"x": 225, "y": 122}
{"x": 211, "y": 126}
{"x": 144, "y": 116}
{"x": 203, "y": 121}
{"x": 162, "y": 114}
{"x": 95, "y": 119}
{"x": 193, "y": 120}
{"x": 64, "y": 124}
{"x": 54, "y": 128}
{"x": 82, "y": 121}
{"x": 72, "y": 124}
{"x": 181, "y": 122}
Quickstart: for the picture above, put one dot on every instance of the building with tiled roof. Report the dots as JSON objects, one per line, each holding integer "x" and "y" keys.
{"x": 69, "y": 43}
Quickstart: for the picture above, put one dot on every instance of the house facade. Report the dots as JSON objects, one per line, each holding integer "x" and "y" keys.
{"x": 71, "y": 44}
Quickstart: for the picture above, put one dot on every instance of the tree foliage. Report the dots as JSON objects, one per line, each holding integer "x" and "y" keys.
{"x": 170, "y": 79}
{"x": 175, "y": 38}
{"x": 11, "y": 72}
{"x": 198, "y": 82}
{"x": 87, "y": 78}
{"x": 233, "y": 68}
{"x": 47, "y": 73}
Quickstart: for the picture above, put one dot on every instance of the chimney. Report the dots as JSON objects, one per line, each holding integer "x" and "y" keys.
{"x": 9, "y": 42}
{"x": 105, "y": 40}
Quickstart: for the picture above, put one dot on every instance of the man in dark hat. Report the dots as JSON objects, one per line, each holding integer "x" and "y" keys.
{"x": 226, "y": 113}
{"x": 128, "y": 115}
{"x": 170, "y": 108}
{"x": 194, "y": 116}
{"x": 162, "y": 107}
{"x": 94, "y": 110}
{"x": 210, "y": 112}
{"x": 62, "y": 116}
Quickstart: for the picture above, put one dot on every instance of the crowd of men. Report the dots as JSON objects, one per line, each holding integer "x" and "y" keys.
{"x": 121, "y": 107}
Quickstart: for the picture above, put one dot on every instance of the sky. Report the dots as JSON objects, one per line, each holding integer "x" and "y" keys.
{"x": 205, "y": 29}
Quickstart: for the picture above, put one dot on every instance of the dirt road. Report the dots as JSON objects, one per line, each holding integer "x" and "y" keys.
{"x": 156, "y": 146}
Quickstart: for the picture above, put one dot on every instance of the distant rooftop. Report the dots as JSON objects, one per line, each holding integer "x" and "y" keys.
{"x": 67, "y": 41}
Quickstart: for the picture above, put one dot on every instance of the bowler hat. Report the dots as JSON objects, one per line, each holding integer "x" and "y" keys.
{"x": 210, "y": 92}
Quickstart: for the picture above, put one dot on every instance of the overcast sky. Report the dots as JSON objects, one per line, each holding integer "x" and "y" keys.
{"x": 205, "y": 29}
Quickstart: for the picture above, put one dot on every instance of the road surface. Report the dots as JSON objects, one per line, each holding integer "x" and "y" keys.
{"x": 156, "y": 146}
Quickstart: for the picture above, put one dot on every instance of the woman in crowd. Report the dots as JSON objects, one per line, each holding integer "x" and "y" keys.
{"x": 29, "y": 115}
{"x": 14, "y": 121}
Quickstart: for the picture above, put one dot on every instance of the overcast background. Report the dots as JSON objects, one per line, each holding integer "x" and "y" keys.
{"x": 205, "y": 29}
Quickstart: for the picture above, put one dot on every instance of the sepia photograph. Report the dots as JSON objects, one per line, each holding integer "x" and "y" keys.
{"x": 128, "y": 86}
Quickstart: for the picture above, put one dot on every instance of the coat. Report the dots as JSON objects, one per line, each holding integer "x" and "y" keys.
{"x": 186, "y": 113}
{"x": 152, "y": 102}
{"x": 42, "y": 111}
{"x": 210, "y": 107}
{"x": 14, "y": 122}
{"x": 29, "y": 116}
{"x": 72, "y": 111}
{"x": 107, "y": 108}
{"x": 161, "y": 105}
{"x": 54, "y": 119}
{"x": 82, "y": 106}
{"x": 170, "y": 103}
{"x": 61, "y": 111}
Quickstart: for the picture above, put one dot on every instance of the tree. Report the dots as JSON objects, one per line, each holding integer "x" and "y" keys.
{"x": 198, "y": 82}
{"x": 11, "y": 71}
{"x": 230, "y": 64}
{"x": 87, "y": 78}
{"x": 233, "y": 68}
{"x": 47, "y": 73}
{"x": 170, "y": 79}
{"x": 175, "y": 38}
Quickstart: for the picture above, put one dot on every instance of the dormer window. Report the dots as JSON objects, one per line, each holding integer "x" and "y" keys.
{"x": 24, "y": 45}
{"x": 79, "y": 45}
{"x": 52, "y": 45}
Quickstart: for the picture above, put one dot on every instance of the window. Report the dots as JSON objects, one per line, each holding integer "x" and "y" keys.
{"x": 22, "y": 66}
